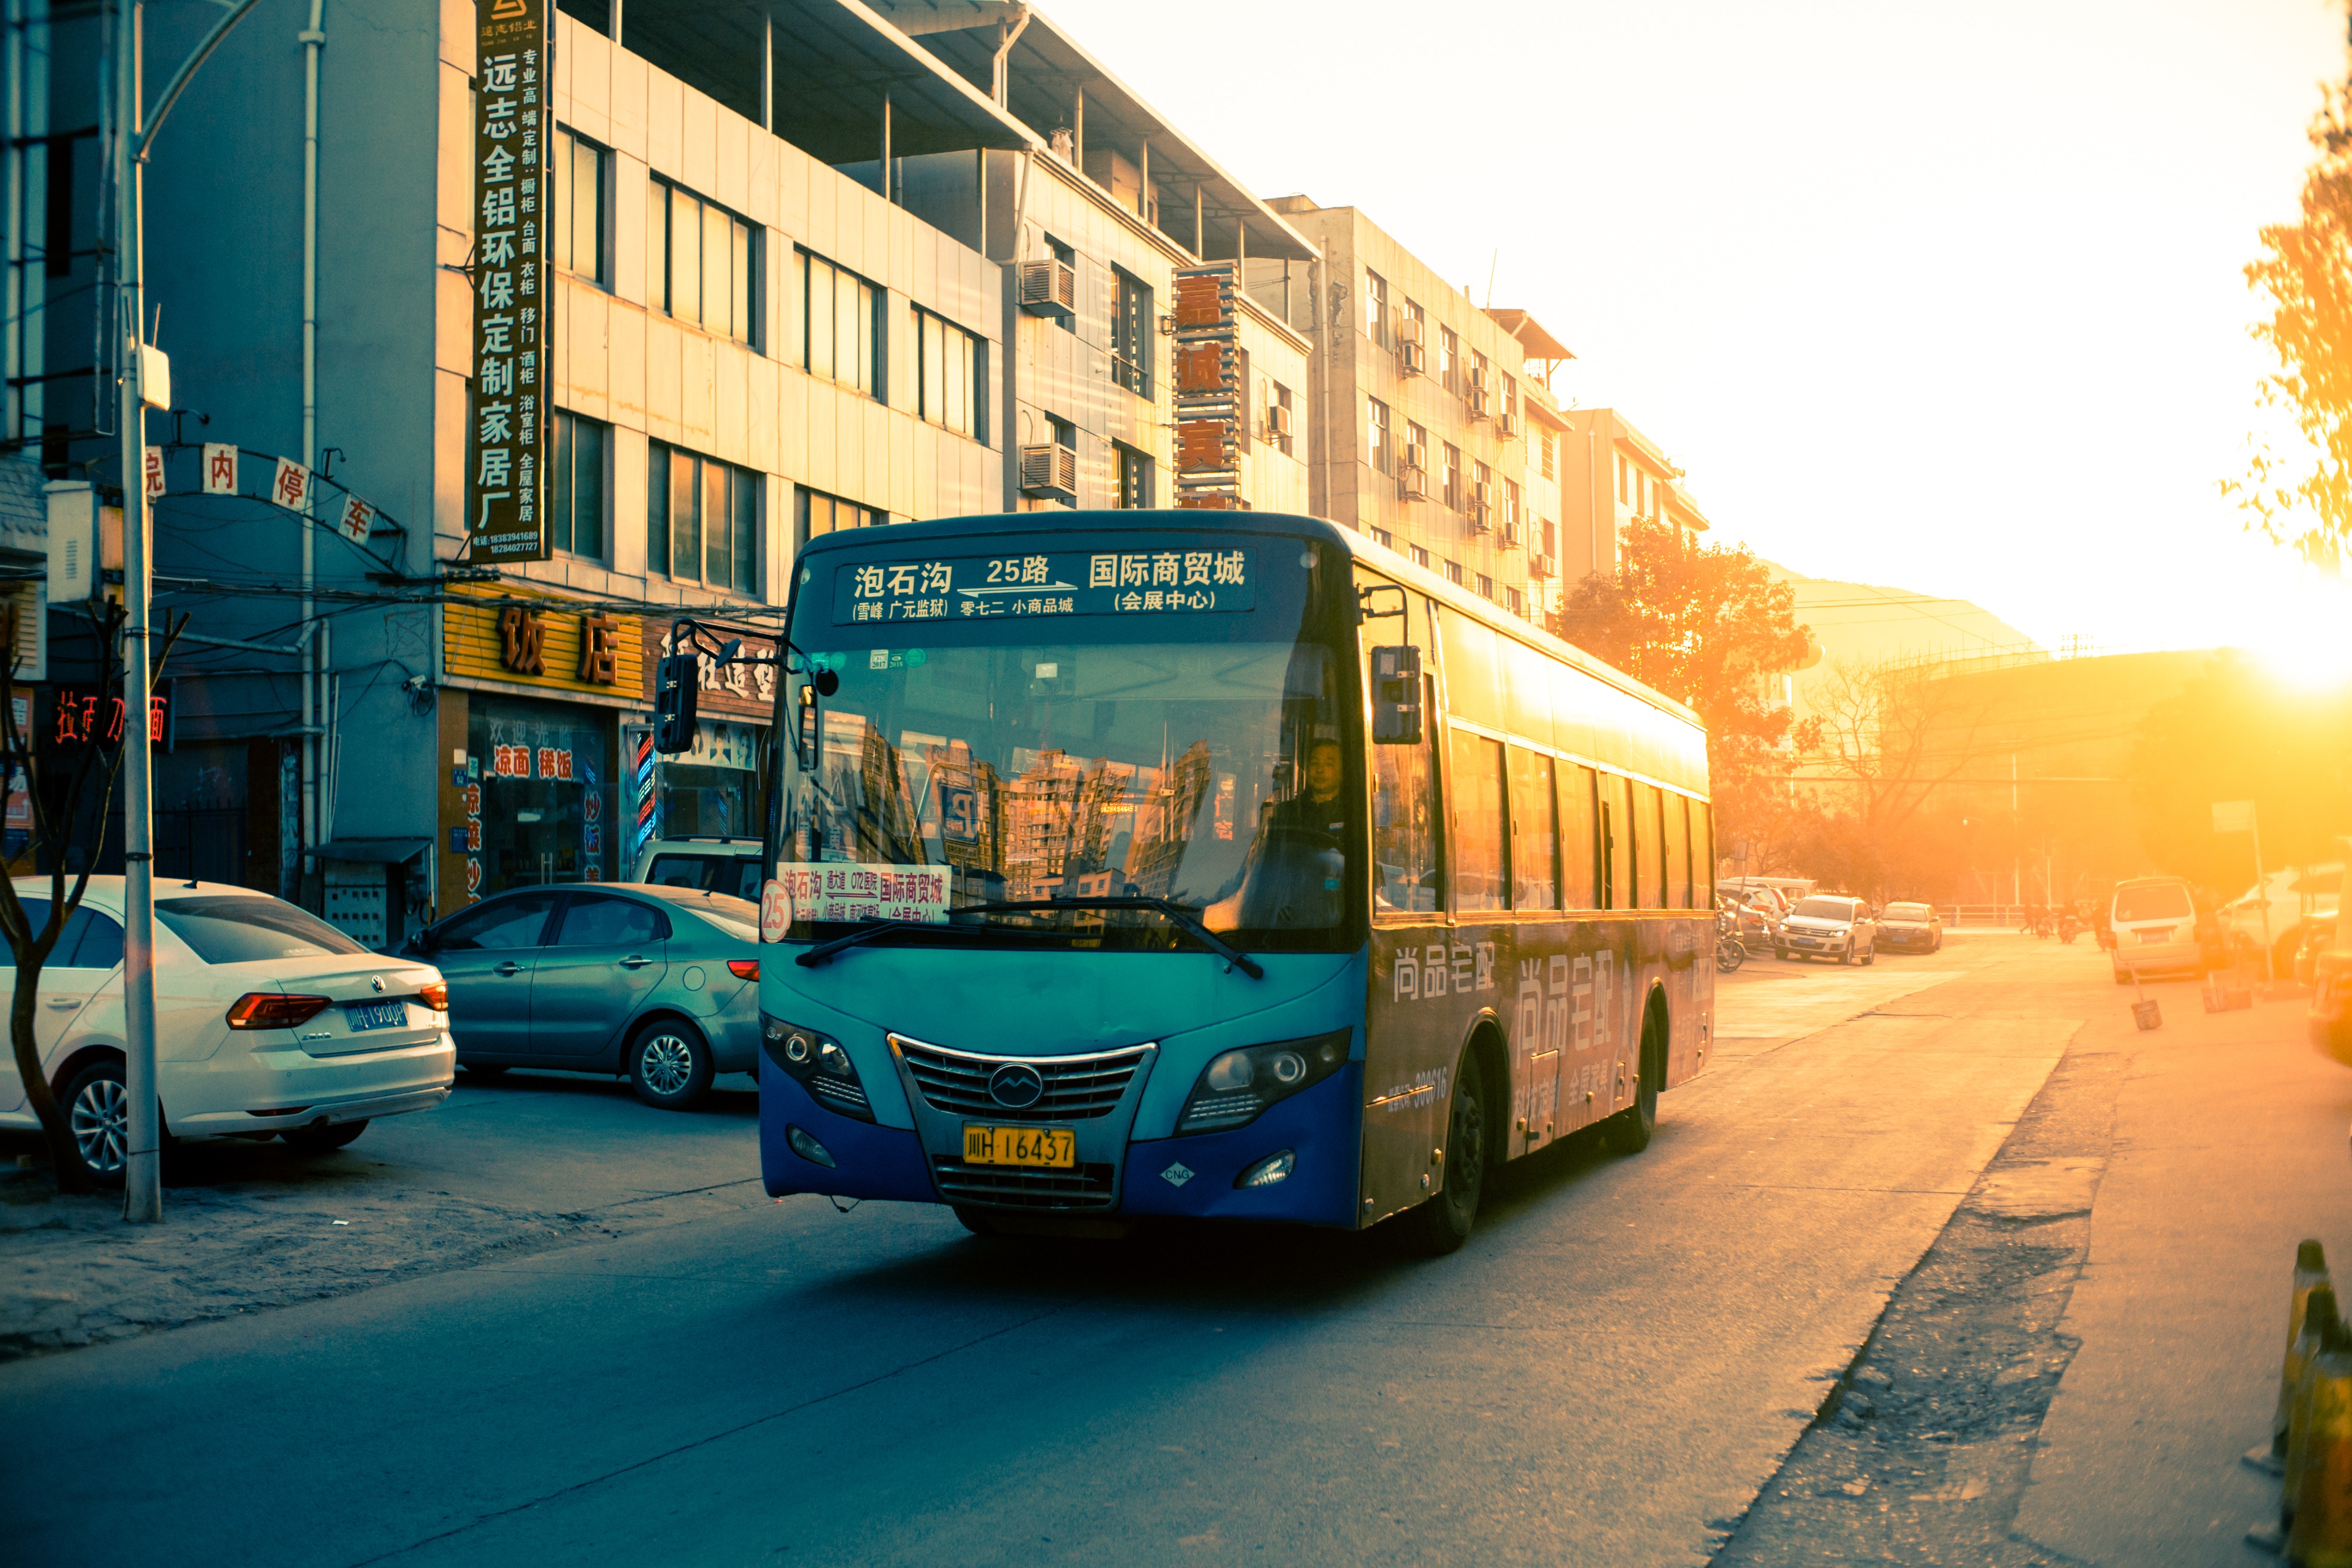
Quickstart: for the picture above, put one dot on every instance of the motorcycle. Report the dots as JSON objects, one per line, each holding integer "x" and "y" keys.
{"x": 2068, "y": 926}
{"x": 1731, "y": 953}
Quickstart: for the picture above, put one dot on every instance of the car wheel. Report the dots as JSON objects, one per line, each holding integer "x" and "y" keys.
{"x": 317, "y": 1140}
{"x": 97, "y": 1114}
{"x": 1872, "y": 956}
{"x": 669, "y": 1065}
{"x": 977, "y": 1221}
{"x": 1845, "y": 954}
{"x": 1781, "y": 954}
{"x": 1937, "y": 945}
{"x": 1442, "y": 1224}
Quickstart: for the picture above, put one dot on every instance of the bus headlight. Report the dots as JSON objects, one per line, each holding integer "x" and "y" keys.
{"x": 817, "y": 1062}
{"x": 1237, "y": 1087}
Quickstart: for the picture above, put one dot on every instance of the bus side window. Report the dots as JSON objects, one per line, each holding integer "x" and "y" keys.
{"x": 1579, "y": 839}
{"x": 1678, "y": 855}
{"x": 1650, "y": 840}
{"x": 1534, "y": 833}
{"x": 1701, "y": 823}
{"x": 1618, "y": 890}
{"x": 1478, "y": 882}
{"x": 1408, "y": 875}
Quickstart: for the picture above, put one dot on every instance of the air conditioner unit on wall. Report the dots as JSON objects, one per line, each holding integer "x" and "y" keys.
{"x": 1410, "y": 329}
{"x": 1049, "y": 289}
{"x": 1277, "y": 421}
{"x": 1413, "y": 482}
{"x": 1050, "y": 473}
{"x": 1507, "y": 426}
{"x": 1411, "y": 360}
{"x": 1473, "y": 400}
{"x": 1542, "y": 566}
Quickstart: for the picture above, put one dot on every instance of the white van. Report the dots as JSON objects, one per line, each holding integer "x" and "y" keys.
{"x": 706, "y": 865}
{"x": 2154, "y": 922}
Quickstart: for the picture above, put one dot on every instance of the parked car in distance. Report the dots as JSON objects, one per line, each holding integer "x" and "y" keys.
{"x": 1829, "y": 925}
{"x": 1913, "y": 928}
{"x": 2293, "y": 895}
{"x": 657, "y": 984}
{"x": 707, "y": 865}
{"x": 2155, "y": 922}
{"x": 269, "y": 1023}
{"x": 2329, "y": 1018}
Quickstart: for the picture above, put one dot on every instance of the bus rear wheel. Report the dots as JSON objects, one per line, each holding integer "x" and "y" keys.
{"x": 1442, "y": 1224}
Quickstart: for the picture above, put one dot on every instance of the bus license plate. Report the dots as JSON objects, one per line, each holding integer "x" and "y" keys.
{"x": 1050, "y": 1148}
{"x": 359, "y": 1016}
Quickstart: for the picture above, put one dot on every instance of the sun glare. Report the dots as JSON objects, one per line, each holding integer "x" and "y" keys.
{"x": 2307, "y": 643}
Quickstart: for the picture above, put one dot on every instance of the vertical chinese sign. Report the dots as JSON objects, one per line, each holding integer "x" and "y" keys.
{"x": 1208, "y": 389}
{"x": 506, "y": 481}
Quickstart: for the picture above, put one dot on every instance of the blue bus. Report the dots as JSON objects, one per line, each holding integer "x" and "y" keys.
{"x": 1221, "y": 865}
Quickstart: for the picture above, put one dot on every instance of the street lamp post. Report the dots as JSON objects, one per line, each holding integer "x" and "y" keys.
{"x": 143, "y": 1185}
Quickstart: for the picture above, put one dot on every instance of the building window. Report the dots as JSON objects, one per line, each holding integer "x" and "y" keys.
{"x": 1486, "y": 586}
{"x": 815, "y": 513}
{"x": 1450, "y": 466}
{"x": 1551, "y": 537}
{"x": 1134, "y": 479}
{"x": 1515, "y": 602}
{"x": 1482, "y": 489}
{"x": 1383, "y": 460}
{"x": 577, "y": 523}
{"x": 1547, "y": 454}
{"x": 1510, "y": 398}
{"x": 1384, "y": 538}
{"x": 1511, "y": 510}
{"x": 1449, "y": 358}
{"x": 1132, "y": 329}
{"x": 576, "y": 207}
{"x": 1419, "y": 555}
{"x": 1416, "y": 449}
{"x": 1454, "y": 572}
{"x": 1276, "y": 431}
{"x": 701, "y": 265}
{"x": 1621, "y": 478}
{"x": 953, "y": 375}
{"x": 1376, "y": 309}
{"x": 841, "y": 325}
{"x": 702, "y": 520}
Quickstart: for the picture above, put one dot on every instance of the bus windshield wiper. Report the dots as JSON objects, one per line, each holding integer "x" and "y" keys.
{"x": 1176, "y": 913}
{"x": 1183, "y": 919}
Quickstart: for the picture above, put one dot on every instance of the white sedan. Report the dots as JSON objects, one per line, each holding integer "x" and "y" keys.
{"x": 268, "y": 1023}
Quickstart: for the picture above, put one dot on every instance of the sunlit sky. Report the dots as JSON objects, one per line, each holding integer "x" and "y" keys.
{"x": 1947, "y": 296}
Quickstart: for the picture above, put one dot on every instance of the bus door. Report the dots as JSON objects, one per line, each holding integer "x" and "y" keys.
{"x": 1411, "y": 1032}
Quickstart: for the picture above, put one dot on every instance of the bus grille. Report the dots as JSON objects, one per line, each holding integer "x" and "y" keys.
{"x": 1078, "y": 1089}
{"x": 1005, "y": 1186}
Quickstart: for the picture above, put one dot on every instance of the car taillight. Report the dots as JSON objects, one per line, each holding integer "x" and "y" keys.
{"x": 435, "y": 993}
{"x": 743, "y": 968}
{"x": 273, "y": 1010}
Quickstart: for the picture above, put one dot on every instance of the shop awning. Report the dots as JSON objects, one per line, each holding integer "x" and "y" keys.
{"x": 373, "y": 852}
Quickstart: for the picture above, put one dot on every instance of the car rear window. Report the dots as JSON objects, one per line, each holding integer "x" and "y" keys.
{"x": 1825, "y": 909}
{"x": 734, "y": 874}
{"x": 2158, "y": 902}
{"x": 1906, "y": 912}
{"x": 230, "y": 930}
{"x": 739, "y": 917}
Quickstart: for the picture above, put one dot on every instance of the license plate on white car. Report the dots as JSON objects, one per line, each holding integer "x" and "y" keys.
{"x": 361, "y": 1015}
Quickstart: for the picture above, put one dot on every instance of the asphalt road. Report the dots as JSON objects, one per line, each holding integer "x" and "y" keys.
{"x": 1621, "y": 1357}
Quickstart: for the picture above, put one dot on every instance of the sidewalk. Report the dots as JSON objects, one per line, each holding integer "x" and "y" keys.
{"x": 2229, "y": 1148}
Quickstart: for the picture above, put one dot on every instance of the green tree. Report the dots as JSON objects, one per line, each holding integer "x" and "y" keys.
{"x": 2304, "y": 499}
{"x": 1705, "y": 625}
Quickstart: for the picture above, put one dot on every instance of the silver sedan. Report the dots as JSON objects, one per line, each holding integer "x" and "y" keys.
{"x": 657, "y": 984}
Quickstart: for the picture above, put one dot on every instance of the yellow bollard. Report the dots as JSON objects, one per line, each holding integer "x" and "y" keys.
{"x": 2321, "y": 1536}
{"x": 2318, "y": 1318}
{"x": 2310, "y": 1269}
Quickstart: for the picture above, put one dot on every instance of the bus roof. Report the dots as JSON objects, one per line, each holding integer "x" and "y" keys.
{"x": 1362, "y": 547}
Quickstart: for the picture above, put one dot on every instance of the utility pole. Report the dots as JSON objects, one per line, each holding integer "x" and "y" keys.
{"x": 2016, "y": 864}
{"x": 143, "y": 1185}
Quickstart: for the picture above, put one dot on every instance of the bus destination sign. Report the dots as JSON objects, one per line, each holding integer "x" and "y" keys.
{"x": 1089, "y": 583}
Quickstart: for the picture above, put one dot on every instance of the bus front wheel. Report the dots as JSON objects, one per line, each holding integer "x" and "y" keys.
{"x": 1443, "y": 1224}
{"x": 1631, "y": 1130}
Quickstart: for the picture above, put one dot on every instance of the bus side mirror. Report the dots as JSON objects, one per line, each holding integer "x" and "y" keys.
{"x": 1396, "y": 696}
{"x": 675, "y": 680}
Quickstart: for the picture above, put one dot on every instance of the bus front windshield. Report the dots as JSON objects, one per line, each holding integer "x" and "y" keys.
{"x": 994, "y": 757}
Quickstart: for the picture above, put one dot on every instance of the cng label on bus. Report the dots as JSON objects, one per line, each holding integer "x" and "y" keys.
{"x": 1070, "y": 583}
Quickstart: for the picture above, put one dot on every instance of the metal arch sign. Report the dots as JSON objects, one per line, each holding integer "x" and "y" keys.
{"x": 505, "y": 464}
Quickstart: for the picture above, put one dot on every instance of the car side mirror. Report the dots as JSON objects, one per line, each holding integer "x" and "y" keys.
{"x": 1396, "y": 696}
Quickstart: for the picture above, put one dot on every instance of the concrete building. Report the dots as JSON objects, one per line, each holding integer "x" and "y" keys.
{"x": 1611, "y": 474}
{"x": 809, "y": 269}
{"x": 1418, "y": 401}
